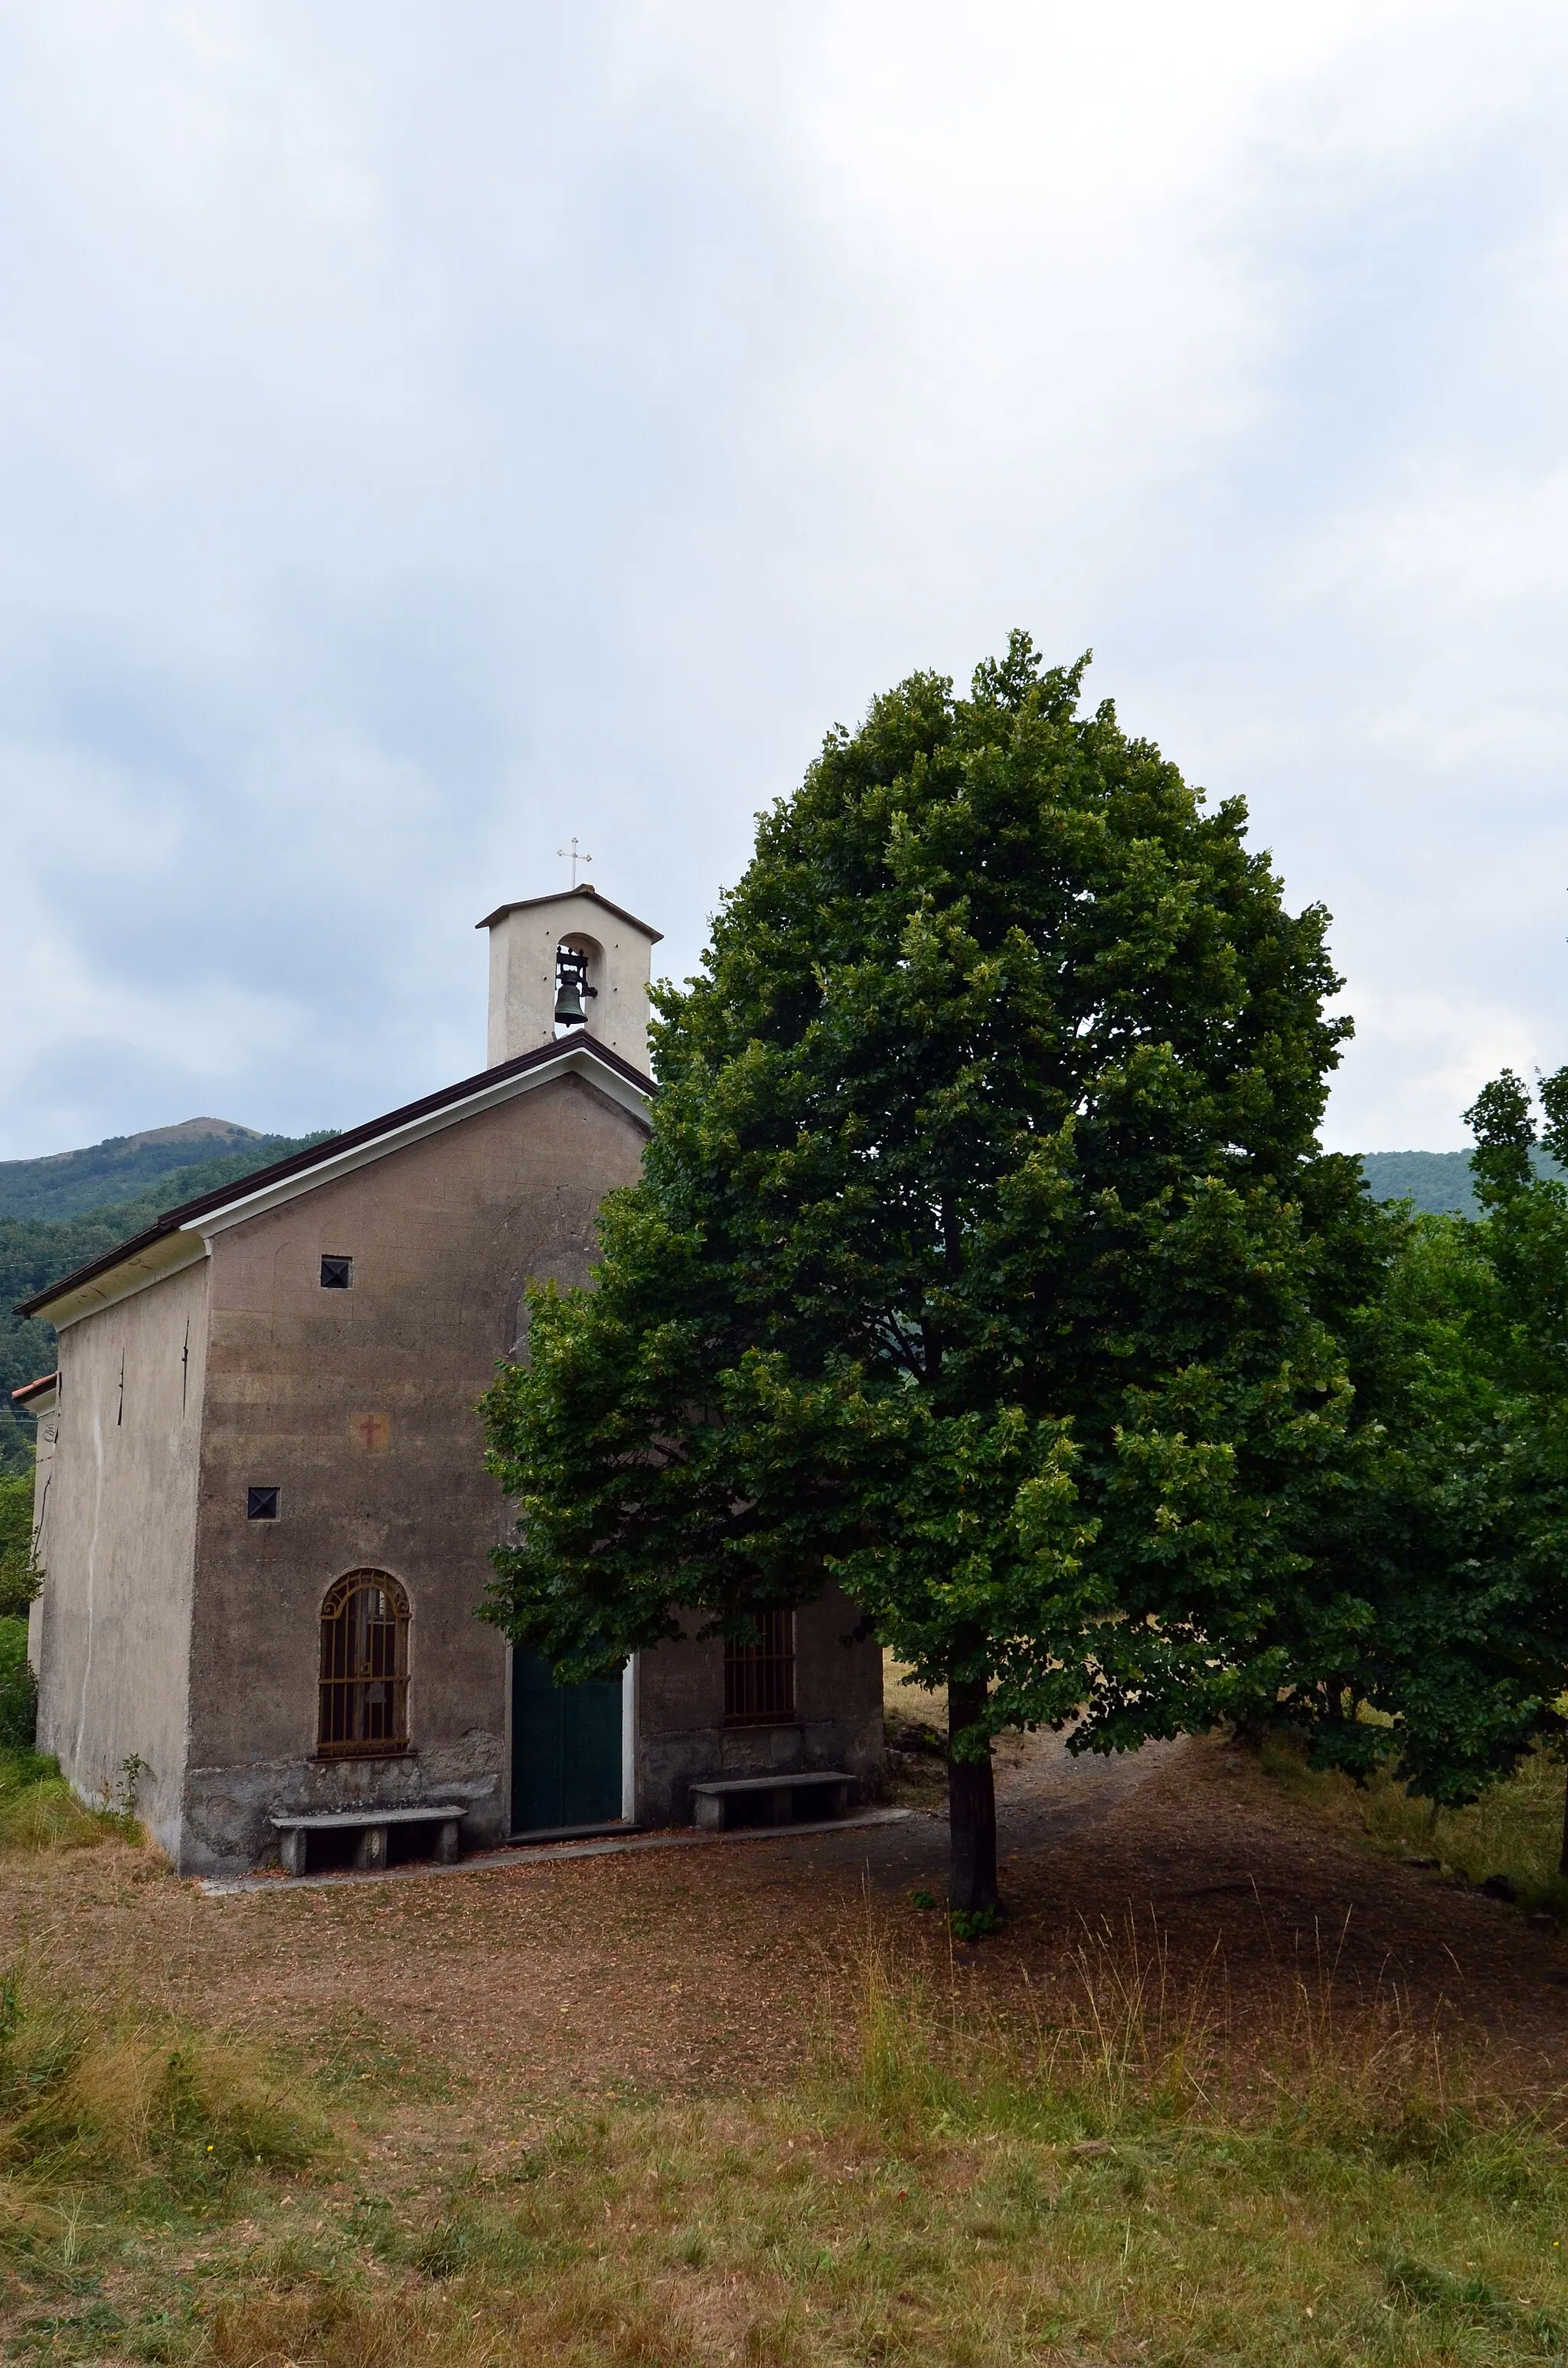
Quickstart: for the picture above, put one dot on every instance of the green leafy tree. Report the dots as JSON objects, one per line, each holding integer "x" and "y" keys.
{"x": 1520, "y": 1329}
{"x": 1416, "y": 1606}
{"x": 19, "y": 1580}
{"x": 983, "y": 1258}
{"x": 1428, "y": 1588}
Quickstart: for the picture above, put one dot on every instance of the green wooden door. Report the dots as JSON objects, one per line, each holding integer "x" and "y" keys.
{"x": 565, "y": 1749}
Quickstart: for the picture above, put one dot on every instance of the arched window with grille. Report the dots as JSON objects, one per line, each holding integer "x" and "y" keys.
{"x": 364, "y": 1667}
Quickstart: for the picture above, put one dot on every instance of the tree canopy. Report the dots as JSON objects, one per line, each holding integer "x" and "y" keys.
{"x": 1518, "y": 1477}
{"x": 984, "y": 1257}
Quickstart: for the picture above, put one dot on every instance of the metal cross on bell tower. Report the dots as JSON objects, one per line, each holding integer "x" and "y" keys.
{"x": 573, "y": 856}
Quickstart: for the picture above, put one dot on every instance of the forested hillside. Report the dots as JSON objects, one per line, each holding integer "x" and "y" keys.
{"x": 35, "y": 1250}
{"x": 126, "y": 1167}
{"x": 1436, "y": 1181}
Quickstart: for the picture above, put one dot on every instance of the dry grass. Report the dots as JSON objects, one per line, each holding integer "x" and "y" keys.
{"x": 1515, "y": 1830}
{"x": 904, "y": 1701}
{"x": 1099, "y": 2159}
{"x": 1103, "y": 2176}
{"x": 117, "y": 2116}
{"x": 916, "y": 1724}
{"x": 39, "y": 1811}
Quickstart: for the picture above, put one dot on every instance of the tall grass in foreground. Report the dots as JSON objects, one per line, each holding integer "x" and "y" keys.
{"x": 110, "y": 2124}
{"x": 1102, "y": 2178}
{"x": 1115, "y": 2039}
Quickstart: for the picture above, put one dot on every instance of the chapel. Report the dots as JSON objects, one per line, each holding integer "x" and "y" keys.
{"x": 262, "y": 1519}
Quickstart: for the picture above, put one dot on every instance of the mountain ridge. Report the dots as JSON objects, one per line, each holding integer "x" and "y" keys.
{"x": 1437, "y": 1182}
{"x": 36, "y": 1251}
{"x": 187, "y": 1129}
{"x": 63, "y": 1184}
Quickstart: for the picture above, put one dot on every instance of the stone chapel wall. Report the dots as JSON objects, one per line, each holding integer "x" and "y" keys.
{"x": 682, "y": 1736}
{"x": 360, "y": 1406}
{"x": 112, "y": 1625}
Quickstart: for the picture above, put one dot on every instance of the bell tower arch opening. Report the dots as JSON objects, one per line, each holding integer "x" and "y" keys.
{"x": 540, "y": 946}
{"x": 579, "y": 973}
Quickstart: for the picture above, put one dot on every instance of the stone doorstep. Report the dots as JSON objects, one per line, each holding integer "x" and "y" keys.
{"x": 502, "y": 1861}
{"x": 597, "y": 1830}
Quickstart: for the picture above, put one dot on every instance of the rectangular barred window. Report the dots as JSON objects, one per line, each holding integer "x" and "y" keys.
{"x": 759, "y": 1680}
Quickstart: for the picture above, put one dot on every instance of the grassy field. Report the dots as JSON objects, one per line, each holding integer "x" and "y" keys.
{"x": 1116, "y": 2180}
{"x": 1105, "y": 2190}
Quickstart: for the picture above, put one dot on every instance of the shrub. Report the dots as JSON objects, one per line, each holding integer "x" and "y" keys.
{"x": 18, "y": 1577}
{"x": 18, "y": 1687}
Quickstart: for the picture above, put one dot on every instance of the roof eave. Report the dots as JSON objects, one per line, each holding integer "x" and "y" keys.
{"x": 564, "y": 896}
{"x": 191, "y": 1225}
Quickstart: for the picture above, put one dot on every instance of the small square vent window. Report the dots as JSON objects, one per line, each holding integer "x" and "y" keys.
{"x": 336, "y": 1273}
{"x": 261, "y": 1504}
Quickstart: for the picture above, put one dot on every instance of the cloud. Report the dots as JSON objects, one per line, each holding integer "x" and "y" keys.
{"x": 425, "y": 434}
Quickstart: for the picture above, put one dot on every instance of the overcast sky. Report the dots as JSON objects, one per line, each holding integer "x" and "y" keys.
{"x": 428, "y": 432}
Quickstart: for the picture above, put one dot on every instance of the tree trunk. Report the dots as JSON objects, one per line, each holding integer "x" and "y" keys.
{"x": 971, "y": 1811}
{"x": 1562, "y": 1861}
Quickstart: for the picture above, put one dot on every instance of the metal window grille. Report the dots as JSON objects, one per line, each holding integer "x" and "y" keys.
{"x": 759, "y": 1680}
{"x": 364, "y": 1666}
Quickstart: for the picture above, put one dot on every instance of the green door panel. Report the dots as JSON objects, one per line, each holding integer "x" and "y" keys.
{"x": 565, "y": 1749}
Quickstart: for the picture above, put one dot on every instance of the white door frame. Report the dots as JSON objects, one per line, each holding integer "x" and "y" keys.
{"x": 628, "y": 1740}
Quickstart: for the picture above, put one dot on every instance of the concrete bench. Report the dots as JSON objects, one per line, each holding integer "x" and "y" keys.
{"x": 826, "y": 1791}
{"x": 371, "y": 1825}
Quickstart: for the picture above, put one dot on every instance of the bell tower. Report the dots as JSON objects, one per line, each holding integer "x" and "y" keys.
{"x": 562, "y": 954}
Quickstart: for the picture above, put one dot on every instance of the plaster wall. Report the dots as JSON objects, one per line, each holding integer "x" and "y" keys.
{"x": 681, "y": 1734}
{"x": 112, "y": 1626}
{"x": 522, "y": 977}
{"x": 360, "y": 1406}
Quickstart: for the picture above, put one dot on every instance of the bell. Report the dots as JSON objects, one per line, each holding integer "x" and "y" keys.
{"x": 570, "y": 1010}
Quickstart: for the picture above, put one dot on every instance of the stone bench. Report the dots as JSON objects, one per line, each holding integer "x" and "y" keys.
{"x": 827, "y": 1789}
{"x": 370, "y": 1824}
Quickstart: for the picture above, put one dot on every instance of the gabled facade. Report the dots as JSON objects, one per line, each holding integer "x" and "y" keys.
{"x": 262, "y": 1513}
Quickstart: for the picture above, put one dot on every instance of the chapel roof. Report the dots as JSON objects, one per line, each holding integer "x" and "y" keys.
{"x": 328, "y": 1157}
{"x": 564, "y": 896}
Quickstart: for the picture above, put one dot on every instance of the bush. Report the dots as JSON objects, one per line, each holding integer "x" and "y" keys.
{"x": 18, "y": 1688}
{"x": 18, "y": 1577}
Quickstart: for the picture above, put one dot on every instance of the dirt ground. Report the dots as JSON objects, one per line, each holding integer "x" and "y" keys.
{"x": 712, "y": 1967}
